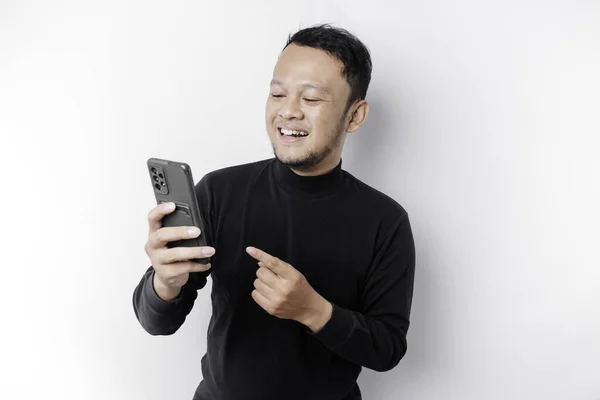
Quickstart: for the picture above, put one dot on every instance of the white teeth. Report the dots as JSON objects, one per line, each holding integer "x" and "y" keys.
{"x": 288, "y": 132}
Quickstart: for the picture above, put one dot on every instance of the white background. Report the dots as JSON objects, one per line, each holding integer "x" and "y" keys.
{"x": 484, "y": 125}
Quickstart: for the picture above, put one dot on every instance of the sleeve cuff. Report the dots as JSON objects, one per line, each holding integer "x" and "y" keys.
{"x": 155, "y": 302}
{"x": 338, "y": 329}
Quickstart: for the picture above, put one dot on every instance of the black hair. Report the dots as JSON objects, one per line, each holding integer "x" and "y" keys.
{"x": 345, "y": 47}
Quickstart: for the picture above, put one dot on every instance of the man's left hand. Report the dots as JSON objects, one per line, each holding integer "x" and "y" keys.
{"x": 284, "y": 292}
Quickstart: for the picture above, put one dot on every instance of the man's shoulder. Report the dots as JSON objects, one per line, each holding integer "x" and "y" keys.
{"x": 376, "y": 200}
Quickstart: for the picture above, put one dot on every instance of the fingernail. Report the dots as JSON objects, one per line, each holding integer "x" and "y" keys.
{"x": 193, "y": 231}
{"x": 169, "y": 206}
{"x": 208, "y": 252}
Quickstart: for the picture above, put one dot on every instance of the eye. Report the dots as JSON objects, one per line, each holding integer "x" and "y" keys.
{"x": 276, "y": 95}
{"x": 311, "y": 100}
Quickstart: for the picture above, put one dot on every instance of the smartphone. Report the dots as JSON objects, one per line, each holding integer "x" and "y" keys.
{"x": 172, "y": 181}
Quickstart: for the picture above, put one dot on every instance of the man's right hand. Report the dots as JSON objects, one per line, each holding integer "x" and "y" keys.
{"x": 172, "y": 265}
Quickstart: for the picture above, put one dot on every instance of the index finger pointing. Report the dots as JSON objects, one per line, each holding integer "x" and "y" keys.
{"x": 267, "y": 260}
{"x": 258, "y": 254}
{"x": 261, "y": 255}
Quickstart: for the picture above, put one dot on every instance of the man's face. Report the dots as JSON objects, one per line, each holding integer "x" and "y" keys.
{"x": 318, "y": 111}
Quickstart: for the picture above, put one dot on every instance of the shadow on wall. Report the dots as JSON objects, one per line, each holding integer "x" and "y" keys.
{"x": 381, "y": 145}
{"x": 367, "y": 145}
{"x": 376, "y": 150}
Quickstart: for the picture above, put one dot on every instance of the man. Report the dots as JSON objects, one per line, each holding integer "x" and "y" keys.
{"x": 312, "y": 269}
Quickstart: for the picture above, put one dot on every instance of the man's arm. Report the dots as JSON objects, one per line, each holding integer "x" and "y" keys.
{"x": 376, "y": 337}
{"x": 163, "y": 314}
{"x": 160, "y": 317}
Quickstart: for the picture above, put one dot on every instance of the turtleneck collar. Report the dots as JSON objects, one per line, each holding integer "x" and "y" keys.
{"x": 307, "y": 186}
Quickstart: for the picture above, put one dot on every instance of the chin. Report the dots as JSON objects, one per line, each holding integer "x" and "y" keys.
{"x": 288, "y": 159}
{"x": 305, "y": 161}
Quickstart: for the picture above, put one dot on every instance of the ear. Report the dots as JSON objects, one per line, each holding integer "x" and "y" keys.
{"x": 358, "y": 115}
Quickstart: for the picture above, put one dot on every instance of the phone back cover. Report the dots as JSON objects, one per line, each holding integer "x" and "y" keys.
{"x": 180, "y": 190}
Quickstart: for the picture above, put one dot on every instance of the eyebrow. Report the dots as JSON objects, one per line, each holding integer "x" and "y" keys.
{"x": 309, "y": 85}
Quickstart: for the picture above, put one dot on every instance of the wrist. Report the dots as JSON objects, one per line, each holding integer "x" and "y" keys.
{"x": 163, "y": 291}
{"x": 320, "y": 315}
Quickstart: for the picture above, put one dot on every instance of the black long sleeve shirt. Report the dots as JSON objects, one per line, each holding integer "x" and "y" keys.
{"x": 353, "y": 244}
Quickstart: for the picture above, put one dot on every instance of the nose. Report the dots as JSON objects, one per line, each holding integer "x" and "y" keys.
{"x": 289, "y": 108}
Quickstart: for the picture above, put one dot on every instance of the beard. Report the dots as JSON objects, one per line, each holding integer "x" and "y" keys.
{"x": 313, "y": 158}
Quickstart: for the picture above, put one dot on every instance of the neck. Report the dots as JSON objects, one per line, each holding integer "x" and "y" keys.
{"x": 323, "y": 180}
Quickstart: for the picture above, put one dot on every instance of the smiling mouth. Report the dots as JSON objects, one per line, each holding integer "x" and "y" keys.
{"x": 291, "y": 133}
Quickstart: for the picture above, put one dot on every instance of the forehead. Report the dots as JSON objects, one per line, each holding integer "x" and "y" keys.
{"x": 305, "y": 65}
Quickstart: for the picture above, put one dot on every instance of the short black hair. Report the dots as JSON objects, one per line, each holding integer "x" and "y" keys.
{"x": 347, "y": 48}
